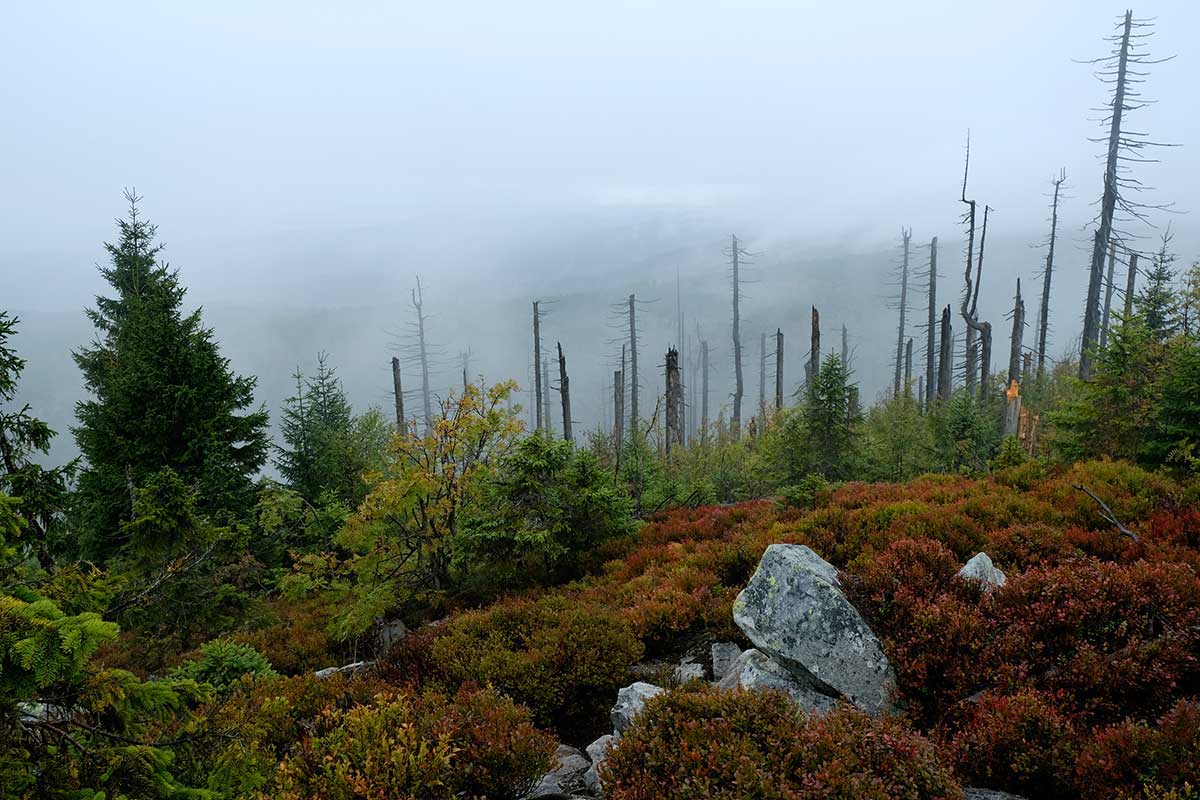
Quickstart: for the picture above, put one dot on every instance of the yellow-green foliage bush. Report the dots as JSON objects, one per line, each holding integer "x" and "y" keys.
{"x": 563, "y": 660}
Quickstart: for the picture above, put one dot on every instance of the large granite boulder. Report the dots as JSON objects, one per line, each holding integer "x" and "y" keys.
{"x": 794, "y": 611}
{"x": 970, "y": 793}
{"x": 981, "y": 569}
{"x": 630, "y": 702}
{"x": 755, "y": 670}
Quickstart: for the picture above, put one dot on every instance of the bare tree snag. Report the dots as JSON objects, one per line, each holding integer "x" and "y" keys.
{"x": 814, "y": 351}
{"x": 945, "y": 356}
{"x": 1108, "y": 293}
{"x": 778, "y": 369}
{"x": 674, "y": 394}
{"x": 418, "y": 302}
{"x": 538, "y": 389}
{"x": 908, "y": 368}
{"x": 1018, "y": 334}
{"x": 970, "y": 301}
{"x": 762, "y": 377}
{"x": 735, "y": 255}
{"x": 633, "y": 366}
{"x": 1130, "y": 280}
{"x": 548, "y": 406}
{"x": 398, "y": 391}
{"x": 619, "y": 403}
{"x": 931, "y": 330}
{"x": 906, "y": 237}
{"x": 564, "y": 390}
{"x": 845, "y": 349}
{"x": 1044, "y": 313}
{"x": 921, "y": 391}
{"x": 704, "y": 390}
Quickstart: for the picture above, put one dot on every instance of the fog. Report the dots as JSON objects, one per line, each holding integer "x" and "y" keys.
{"x": 305, "y": 162}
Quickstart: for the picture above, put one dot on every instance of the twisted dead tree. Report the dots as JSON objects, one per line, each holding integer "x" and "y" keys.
{"x": 1047, "y": 274}
{"x": 906, "y": 238}
{"x": 970, "y": 301}
{"x": 1118, "y": 70}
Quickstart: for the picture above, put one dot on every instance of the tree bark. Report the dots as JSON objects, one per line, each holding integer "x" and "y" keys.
{"x": 1130, "y": 280}
{"x": 398, "y": 391}
{"x": 814, "y": 350}
{"x": 674, "y": 394}
{"x": 564, "y": 389}
{"x": 1108, "y": 293}
{"x": 908, "y": 368}
{"x": 945, "y": 355}
{"x": 1018, "y": 335}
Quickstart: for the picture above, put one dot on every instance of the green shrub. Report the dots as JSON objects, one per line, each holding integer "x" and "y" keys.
{"x": 564, "y": 660}
{"x": 223, "y": 662}
{"x": 419, "y": 747}
{"x": 807, "y": 493}
{"x": 694, "y": 743}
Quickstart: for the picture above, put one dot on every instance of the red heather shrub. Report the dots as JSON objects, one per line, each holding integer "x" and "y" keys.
{"x": 1020, "y": 547}
{"x": 704, "y": 743}
{"x": 296, "y": 639}
{"x": 563, "y": 659}
{"x": 1120, "y": 639}
{"x": 1131, "y": 492}
{"x": 1021, "y": 743}
{"x": 423, "y": 747}
{"x": 910, "y": 569}
{"x": 1121, "y": 758}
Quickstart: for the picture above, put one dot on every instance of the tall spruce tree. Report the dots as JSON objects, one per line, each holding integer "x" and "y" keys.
{"x": 162, "y": 397}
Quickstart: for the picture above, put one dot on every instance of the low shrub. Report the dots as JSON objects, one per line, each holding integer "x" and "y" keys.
{"x": 693, "y": 743}
{"x": 1117, "y": 639}
{"x": 1020, "y": 547}
{"x": 423, "y": 747}
{"x": 1121, "y": 758}
{"x": 1020, "y": 743}
{"x": 563, "y": 660}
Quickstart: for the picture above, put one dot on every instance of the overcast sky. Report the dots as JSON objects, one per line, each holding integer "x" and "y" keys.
{"x": 263, "y": 134}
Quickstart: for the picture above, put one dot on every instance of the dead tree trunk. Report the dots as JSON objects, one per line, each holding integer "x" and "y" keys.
{"x": 564, "y": 389}
{"x": 762, "y": 378}
{"x": 703, "y": 390}
{"x": 845, "y": 349}
{"x": 931, "y": 331}
{"x": 735, "y": 258}
{"x": 548, "y": 406}
{"x": 1018, "y": 335}
{"x": 1108, "y": 205}
{"x": 398, "y": 391}
{"x": 778, "y": 369}
{"x": 814, "y": 352}
{"x": 1130, "y": 280}
{"x": 908, "y": 369}
{"x": 538, "y": 395}
{"x": 1026, "y": 367}
{"x": 1108, "y": 293}
{"x": 633, "y": 368}
{"x": 921, "y": 391}
{"x": 1044, "y": 313}
{"x": 418, "y": 301}
{"x": 619, "y": 403}
{"x": 945, "y": 354}
{"x": 674, "y": 401}
{"x": 906, "y": 235}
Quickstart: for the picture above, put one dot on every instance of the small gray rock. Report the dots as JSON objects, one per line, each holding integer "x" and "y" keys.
{"x": 688, "y": 670}
{"x": 723, "y": 656}
{"x": 630, "y": 702}
{"x": 348, "y": 669}
{"x": 597, "y": 751}
{"x": 387, "y": 633}
{"x": 980, "y": 568}
{"x": 989, "y": 794}
{"x": 794, "y": 611}
{"x": 567, "y": 775}
{"x": 755, "y": 670}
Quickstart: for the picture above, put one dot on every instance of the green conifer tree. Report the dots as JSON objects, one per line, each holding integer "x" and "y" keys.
{"x": 162, "y": 397}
